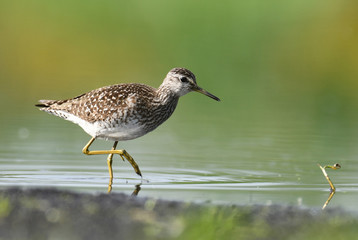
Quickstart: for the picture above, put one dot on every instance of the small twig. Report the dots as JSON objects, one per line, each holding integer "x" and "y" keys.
{"x": 333, "y": 189}
{"x": 334, "y": 167}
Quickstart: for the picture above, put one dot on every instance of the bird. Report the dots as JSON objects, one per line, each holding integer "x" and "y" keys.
{"x": 124, "y": 111}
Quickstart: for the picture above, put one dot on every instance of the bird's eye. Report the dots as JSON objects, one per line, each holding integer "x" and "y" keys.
{"x": 184, "y": 79}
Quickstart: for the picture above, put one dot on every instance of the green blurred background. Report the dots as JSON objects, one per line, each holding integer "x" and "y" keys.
{"x": 276, "y": 55}
{"x": 286, "y": 72}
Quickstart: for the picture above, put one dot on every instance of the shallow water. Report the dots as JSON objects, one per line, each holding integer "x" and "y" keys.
{"x": 190, "y": 159}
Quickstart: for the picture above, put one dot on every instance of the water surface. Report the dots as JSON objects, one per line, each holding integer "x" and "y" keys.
{"x": 189, "y": 159}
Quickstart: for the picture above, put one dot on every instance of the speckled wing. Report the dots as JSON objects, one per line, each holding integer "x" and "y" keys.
{"x": 101, "y": 104}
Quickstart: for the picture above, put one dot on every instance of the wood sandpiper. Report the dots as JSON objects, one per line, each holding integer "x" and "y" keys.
{"x": 124, "y": 111}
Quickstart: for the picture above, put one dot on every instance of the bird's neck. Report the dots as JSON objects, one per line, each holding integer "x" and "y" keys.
{"x": 162, "y": 106}
{"x": 166, "y": 96}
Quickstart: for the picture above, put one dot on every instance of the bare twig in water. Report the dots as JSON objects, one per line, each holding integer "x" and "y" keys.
{"x": 333, "y": 189}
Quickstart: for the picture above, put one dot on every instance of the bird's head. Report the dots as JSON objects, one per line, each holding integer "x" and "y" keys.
{"x": 182, "y": 81}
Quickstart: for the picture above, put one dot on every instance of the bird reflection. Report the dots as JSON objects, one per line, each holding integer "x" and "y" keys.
{"x": 137, "y": 188}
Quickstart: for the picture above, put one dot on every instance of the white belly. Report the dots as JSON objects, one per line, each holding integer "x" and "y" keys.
{"x": 107, "y": 131}
{"x": 119, "y": 132}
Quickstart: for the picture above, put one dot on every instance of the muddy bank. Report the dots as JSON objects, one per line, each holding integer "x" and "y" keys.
{"x": 56, "y": 214}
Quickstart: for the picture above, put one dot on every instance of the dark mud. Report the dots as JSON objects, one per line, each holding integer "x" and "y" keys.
{"x": 56, "y": 214}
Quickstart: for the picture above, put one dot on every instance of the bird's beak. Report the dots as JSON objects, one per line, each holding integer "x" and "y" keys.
{"x": 200, "y": 90}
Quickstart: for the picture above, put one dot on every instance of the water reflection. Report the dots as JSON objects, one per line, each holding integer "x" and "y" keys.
{"x": 137, "y": 188}
{"x": 331, "y": 194}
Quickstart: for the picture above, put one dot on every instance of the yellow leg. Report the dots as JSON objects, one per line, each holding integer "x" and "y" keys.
{"x": 109, "y": 163}
{"x": 109, "y": 160}
{"x": 122, "y": 153}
